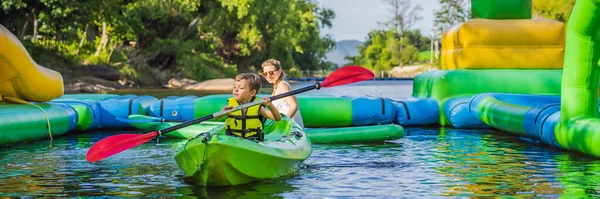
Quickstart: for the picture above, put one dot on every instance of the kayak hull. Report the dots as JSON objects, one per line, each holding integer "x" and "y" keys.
{"x": 216, "y": 159}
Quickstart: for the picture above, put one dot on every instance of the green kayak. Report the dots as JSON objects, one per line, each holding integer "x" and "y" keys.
{"x": 216, "y": 159}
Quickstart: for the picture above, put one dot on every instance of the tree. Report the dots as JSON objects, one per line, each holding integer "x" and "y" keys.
{"x": 417, "y": 40}
{"x": 553, "y": 9}
{"x": 451, "y": 12}
{"x": 404, "y": 15}
{"x": 191, "y": 38}
{"x": 248, "y": 32}
{"x": 381, "y": 51}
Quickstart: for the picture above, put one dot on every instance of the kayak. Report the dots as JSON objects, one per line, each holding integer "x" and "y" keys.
{"x": 355, "y": 134}
{"x": 216, "y": 159}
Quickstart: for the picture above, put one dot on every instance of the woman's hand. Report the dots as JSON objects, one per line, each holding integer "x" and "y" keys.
{"x": 227, "y": 108}
{"x": 267, "y": 100}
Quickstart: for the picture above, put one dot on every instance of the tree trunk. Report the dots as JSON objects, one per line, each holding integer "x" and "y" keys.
{"x": 103, "y": 40}
{"x": 35, "y": 25}
{"x": 431, "y": 50}
{"x": 111, "y": 52}
{"x": 25, "y": 26}
{"x": 82, "y": 40}
{"x": 401, "y": 55}
{"x": 437, "y": 49}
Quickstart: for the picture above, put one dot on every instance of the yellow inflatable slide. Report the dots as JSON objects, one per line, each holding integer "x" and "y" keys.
{"x": 509, "y": 44}
{"x": 21, "y": 77}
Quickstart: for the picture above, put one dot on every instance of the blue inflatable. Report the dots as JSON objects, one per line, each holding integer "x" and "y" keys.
{"x": 457, "y": 111}
{"x": 416, "y": 111}
{"x": 370, "y": 111}
{"x": 115, "y": 111}
{"x": 88, "y": 112}
{"x": 174, "y": 108}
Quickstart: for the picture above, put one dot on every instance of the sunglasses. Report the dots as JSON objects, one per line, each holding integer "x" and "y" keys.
{"x": 268, "y": 73}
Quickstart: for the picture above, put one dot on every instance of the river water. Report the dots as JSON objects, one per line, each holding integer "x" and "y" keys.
{"x": 427, "y": 162}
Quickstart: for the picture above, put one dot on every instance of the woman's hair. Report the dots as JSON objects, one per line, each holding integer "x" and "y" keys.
{"x": 276, "y": 64}
{"x": 253, "y": 80}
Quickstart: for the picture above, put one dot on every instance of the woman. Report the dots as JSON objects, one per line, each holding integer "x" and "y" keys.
{"x": 289, "y": 105}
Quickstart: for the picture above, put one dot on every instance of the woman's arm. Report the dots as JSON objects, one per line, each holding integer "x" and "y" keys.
{"x": 291, "y": 100}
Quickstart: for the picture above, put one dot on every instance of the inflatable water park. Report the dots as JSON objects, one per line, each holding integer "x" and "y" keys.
{"x": 534, "y": 78}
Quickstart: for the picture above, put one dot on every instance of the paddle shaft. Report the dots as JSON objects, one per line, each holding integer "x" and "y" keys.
{"x": 237, "y": 108}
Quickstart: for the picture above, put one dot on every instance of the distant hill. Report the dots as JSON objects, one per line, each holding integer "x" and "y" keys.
{"x": 342, "y": 49}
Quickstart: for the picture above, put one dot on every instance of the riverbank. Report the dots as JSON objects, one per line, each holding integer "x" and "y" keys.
{"x": 102, "y": 79}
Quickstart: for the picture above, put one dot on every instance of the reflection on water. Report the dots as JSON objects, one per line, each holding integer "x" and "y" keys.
{"x": 426, "y": 162}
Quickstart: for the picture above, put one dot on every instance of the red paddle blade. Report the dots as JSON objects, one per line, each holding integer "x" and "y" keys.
{"x": 347, "y": 75}
{"x": 115, "y": 144}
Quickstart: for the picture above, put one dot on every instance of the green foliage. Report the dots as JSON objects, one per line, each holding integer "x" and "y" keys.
{"x": 424, "y": 56}
{"x": 385, "y": 50}
{"x": 249, "y": 32}
{"x": 410, "y": 53}
{"x": 293, "y": 72}
{"x": 49, "y": 56}
{"x": 421, "y": 42}
{"x": 189, "y": 38}
{"x": 204, "y": 66}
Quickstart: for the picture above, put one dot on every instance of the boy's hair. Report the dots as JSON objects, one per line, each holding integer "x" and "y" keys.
{"x": 253, "y": 80}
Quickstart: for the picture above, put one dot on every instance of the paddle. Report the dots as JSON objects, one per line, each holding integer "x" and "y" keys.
{"x": 117, "y": 143}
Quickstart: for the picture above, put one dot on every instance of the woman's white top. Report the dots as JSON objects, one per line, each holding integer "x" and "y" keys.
{"x": 284, "y": 108}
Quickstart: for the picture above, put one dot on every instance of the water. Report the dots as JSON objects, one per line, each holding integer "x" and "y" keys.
{"x": 427, "y": 162}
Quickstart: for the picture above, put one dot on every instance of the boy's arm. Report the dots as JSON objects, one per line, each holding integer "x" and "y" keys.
{"x": 272, "y": 113}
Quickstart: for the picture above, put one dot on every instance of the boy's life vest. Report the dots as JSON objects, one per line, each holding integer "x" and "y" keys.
{"x": 245, "y": 124}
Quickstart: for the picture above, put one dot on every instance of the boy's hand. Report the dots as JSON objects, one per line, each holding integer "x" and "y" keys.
{"x": 267, "y": 100}
{"x": 226, "y": 108}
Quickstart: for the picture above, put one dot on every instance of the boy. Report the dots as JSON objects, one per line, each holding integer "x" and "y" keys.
{"x": 248, "y": 123}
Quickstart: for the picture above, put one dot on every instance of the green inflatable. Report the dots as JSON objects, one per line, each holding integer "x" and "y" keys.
{"x": 448, "y": 84}
{"x": 317, "y": 110}
{"x": 501, "y": 9}
{"x": 579, "y": 126}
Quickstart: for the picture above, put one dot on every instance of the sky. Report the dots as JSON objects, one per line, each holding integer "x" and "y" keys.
{"x": 355, "y": 18}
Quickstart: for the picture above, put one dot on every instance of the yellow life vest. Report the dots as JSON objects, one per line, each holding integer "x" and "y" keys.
{"x": 245, "y": 124}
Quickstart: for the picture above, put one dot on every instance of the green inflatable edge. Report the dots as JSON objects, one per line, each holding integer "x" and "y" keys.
{"x": 579, "y": 125}
{"x": 447, "y": 84}
{"x": 24, "y": 122}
